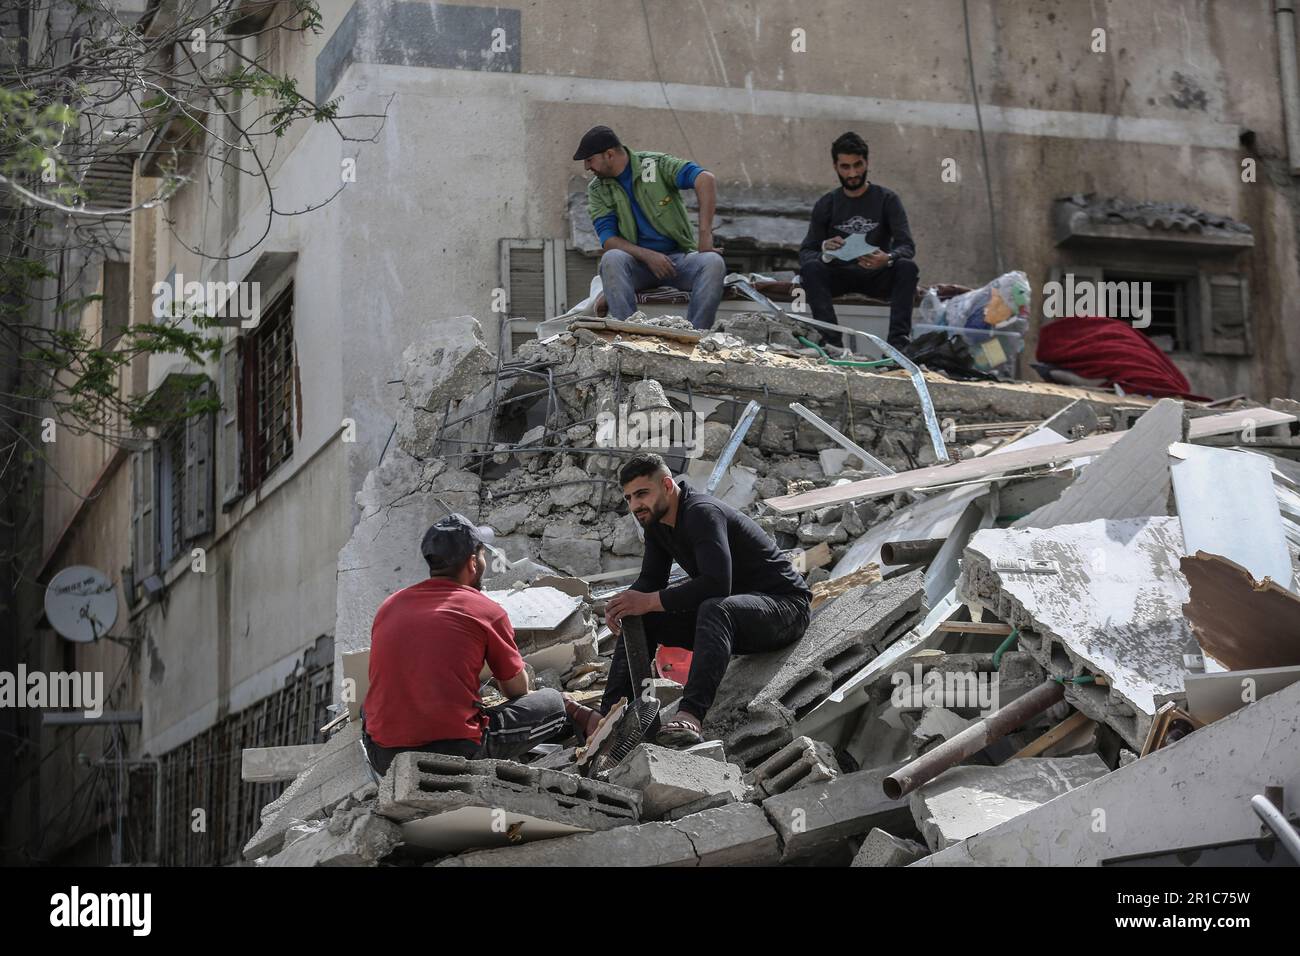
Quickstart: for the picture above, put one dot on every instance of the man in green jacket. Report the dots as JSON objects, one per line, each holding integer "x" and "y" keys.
{"x": 636, "y": 206}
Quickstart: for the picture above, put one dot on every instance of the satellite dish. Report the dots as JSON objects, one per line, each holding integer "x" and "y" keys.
{"x": 81, "y": 603}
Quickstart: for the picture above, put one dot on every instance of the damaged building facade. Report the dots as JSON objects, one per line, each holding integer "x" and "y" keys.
{"x": 397, "y": 369}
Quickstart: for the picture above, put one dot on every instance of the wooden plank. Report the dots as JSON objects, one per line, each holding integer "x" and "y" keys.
{"x": 983, "y": 467}
{"x": 989, "y": 466}
{"x": 975, "y": 627}
{"x": 1228, "y": 422}
{"x": 1062, "y": 730}
{"x": 636, "y": 328}
{"x": 804, "y": 560}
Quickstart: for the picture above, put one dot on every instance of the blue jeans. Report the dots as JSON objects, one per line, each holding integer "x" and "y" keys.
{"x": 699, "y": 273}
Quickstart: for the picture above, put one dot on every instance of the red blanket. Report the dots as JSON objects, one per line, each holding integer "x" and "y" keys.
{"x": 1114, "y": 351}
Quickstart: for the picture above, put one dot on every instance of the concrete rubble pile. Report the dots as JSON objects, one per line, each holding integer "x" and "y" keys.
{"x": 1049, "y": 629}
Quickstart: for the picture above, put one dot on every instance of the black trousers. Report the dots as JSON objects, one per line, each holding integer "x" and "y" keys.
{"x": 720, "y": 627}
{"x": 513, "y": 729}
{"x": 897, "y": 283}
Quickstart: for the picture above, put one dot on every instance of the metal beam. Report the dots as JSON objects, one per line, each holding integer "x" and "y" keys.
{"x": 841, "y": 439}
{"x": 918, "y": 380}
{"x": 733, "y": 445}
{"x": 60, "y": 718}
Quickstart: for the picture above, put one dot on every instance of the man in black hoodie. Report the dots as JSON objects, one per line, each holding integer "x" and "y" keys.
{"x": 877, "y": 214}
{"x": 743, "y": 596}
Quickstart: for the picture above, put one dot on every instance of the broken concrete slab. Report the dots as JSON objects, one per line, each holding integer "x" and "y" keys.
{"x": 668, "y": 779}
{"x": 815, "y": 818}
{"x": 936, "y": 725}
{"x": 1195, "y": 792}
{"x": 735, "y": 835}
{"x": 1112, "y": 607}
{"x": 963, "y": 801}
{"x": 338, "y": 771}
{"x": 274, "y": 764}
{"x": 885, "y": 849}
{"x": 573, "y": 549}
{"x": 713, "y": 749}
{"x": 762, "y": 695}
{"x": 1130, "y": 479}
{"x": 435, "y": 372}
{"x": 450, "y": 803}
{"x": 542, "y": 617}
{"x": 801, "y": 762}
{"x": 356, "y": 837}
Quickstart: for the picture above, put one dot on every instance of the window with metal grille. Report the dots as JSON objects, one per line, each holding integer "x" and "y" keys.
{"x": 269, "y": 371}
{"x": 1170, "y": 316}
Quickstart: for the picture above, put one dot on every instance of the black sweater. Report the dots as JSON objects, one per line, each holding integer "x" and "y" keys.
{"x": 722, "y": 550}
{"x": 878, "y": 214}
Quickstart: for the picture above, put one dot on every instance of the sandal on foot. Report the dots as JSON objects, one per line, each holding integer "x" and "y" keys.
{"x": 678, "y": 734}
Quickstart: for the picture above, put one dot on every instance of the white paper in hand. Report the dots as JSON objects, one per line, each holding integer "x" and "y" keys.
{"x": 855, "y": 246}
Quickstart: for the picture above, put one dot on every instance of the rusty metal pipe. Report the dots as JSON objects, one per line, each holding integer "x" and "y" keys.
{"x": 973, "y": 739}
{"x": 914, "y": 551}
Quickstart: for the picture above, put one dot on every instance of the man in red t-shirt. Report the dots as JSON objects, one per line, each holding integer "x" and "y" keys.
{"x": 428, "y": 645}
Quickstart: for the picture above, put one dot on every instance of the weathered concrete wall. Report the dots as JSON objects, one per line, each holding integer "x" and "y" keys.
{"x": 230, "y": 635}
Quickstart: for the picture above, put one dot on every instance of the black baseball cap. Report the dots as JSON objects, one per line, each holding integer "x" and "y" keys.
{"x": 596, "y": 140}
{"x": 450, "y": 541}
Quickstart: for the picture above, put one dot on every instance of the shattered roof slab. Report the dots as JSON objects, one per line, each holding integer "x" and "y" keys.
{"x": 1113, "y": 607}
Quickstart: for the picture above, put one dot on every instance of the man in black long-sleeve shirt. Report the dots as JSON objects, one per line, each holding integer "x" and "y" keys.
{"x": 743, "y": 595}
{"x": 877, "y": 214}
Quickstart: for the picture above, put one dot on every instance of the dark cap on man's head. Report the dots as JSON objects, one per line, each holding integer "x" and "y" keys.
{"x": 450, "y": 541}
{"x": 596, "y": 140}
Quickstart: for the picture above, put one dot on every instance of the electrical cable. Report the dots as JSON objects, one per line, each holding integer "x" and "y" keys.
{"x": 984, "y": 149}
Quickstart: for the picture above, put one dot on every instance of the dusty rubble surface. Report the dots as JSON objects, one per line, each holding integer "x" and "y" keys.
{"x": 1041, "y": 569}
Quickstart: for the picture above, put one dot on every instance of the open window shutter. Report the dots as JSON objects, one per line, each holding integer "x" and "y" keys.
{"x": 197, "y": 499}
{"x": 144, "y": 545}
{"x": 1225, "y": 314}
{"x": 228, "y": 425}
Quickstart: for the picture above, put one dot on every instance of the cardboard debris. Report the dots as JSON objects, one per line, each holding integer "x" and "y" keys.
{"x": 1240, "y": 622}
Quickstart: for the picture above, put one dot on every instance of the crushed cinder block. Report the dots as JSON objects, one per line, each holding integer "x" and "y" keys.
{"x": 763, "y": 695}
{"x": 450, "y": 803}
{"x": 667, "y": 779}
{"x": 735, "y": 835}
{"x": 338, "y": 770}
{"x": 801, "y": 762}
{"x": 696, "y": 806}
{"x": 713, "y": 749}
{"x": 1103, "y": 598}
{"x": 936, "y": 725}
{"x": 885, "y": 849}
{"x": 667, "y": 691}
{"x": 818, "y": 817}
{"x": 963, "y": 801}
{"x": 356, "y": 837}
